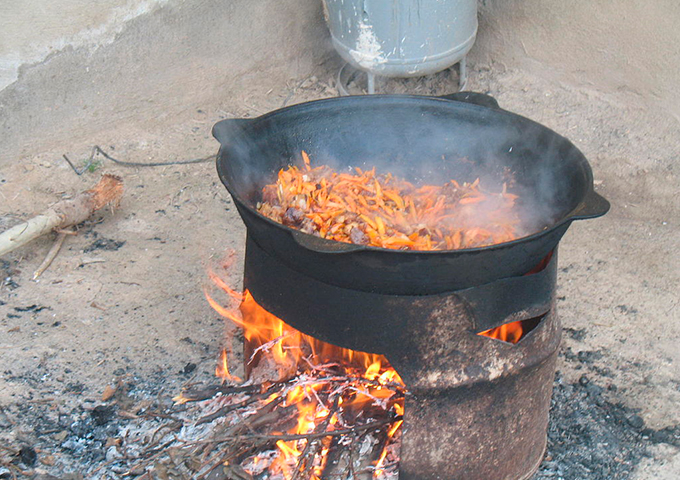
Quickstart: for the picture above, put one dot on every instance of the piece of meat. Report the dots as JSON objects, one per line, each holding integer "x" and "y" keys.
{"x": 358, "y": 237}
{"x": 293, "y": 217}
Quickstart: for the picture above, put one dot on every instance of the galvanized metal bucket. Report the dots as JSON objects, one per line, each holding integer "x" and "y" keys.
{"x": 402, "y": 38}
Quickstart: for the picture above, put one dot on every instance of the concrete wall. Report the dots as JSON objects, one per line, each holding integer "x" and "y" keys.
{"x": 113, "y": 61}
{"x": 175, "y": 55}
{"x": 34, "y": 29}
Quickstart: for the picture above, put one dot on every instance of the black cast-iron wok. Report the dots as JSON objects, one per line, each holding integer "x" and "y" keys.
{"x": 426, "y": 140}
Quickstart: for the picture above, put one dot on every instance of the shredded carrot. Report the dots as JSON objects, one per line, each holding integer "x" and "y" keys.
{"x": 305, "y": 158}
{"x": 366, "y": 208}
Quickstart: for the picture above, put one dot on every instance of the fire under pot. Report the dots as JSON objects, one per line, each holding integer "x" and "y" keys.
{"x": 477, "y": 407}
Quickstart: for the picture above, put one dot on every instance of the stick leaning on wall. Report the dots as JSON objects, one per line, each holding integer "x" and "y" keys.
{"x": 63, "y": 214}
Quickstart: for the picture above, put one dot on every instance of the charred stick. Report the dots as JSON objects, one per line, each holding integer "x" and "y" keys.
{"x": 248, "y": 446}
{"x": 158, "y": 449}
{"x": 230, "y": 408}
{"x": 227, "y": 409}
{"x": 367, "y": 463}
{"x": 231, "y": 472}
{"x": 233, "y": 433}
{"x": 213, "y": 464}
{"x": 307, "y": 436}
{"x": 209, "y": 392}
{"x": 155, "y": 453}
{"x": 276, "y": 416}
{"x": 350, "y": 462}
{"x": 336, "y": 460}
{"x": 227, "y": 452}
{"x": 306, "y": 461}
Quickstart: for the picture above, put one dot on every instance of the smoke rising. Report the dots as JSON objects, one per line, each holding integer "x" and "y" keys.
{"x": 423, "y": 140}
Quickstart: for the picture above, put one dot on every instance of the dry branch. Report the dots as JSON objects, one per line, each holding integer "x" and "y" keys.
{"x": 306, "y": 460}
{"x": 51, "y": 255}
{"x": 307, "y": 436}
{"x": 64, "y": 214}
{"x": 199, "y": 394}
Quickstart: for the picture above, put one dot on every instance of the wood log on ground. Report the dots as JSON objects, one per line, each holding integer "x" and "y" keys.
{"x": 64, "y": 214}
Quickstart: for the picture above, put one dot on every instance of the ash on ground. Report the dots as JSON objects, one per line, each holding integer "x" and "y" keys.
{"x": 589, "y": 437}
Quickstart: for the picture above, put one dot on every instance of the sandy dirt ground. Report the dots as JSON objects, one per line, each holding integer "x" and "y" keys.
{"x": 123, "y": 301}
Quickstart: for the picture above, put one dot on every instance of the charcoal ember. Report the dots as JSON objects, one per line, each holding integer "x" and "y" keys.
{"x": 636, "y": 422}
{"x": 669, "y": 435}
{"x": 103, "y": 414}
{"x": 28, "y": 456}
{"x": 104, "y": 244}
{"x": 293, "y": 217}
{"x": 358, "y": 237}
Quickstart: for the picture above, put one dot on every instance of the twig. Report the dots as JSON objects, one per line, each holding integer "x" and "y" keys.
{"x": 97, "y": 150}
{"x": 158, "y": 452}
{"x": 265, "y": 347}
{"x": 306, "y": 461}
{"x": 172, "y": 426}
{"x": 12, "y": 451}
{"x": 230, "y": 408}
{"x": 213, "y": 463}
{"x": 308, "y": 436}
{"x": 209, "y": 392}
{"x": 263, "y": 412}
{"x": 244, "y": 447}
{"x": 51, "y": 255}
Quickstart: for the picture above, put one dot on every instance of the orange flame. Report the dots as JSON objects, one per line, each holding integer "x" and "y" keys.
{"x": 510, "y": 332}
{"x": 222, "y": 369}
{"x": 368, "y": 379}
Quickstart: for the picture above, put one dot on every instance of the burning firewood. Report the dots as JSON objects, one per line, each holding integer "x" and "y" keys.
{"x": 249, "y": 434}
{"x": 330, "y": 413}
{"x": 64, "y": 214}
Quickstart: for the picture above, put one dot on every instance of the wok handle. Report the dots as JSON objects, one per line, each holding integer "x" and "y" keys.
{"x": 321, "y": 245}
{"x": 593, "y": 205}
{"x": 475, "y": 98}
{"x": 225, "y": 130}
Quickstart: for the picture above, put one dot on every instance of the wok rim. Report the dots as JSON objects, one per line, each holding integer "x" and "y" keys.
{"x": 569, "y": 217}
